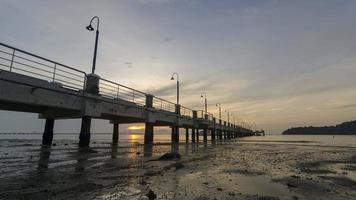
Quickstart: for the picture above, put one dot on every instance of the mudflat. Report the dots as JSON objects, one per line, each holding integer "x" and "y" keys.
{"x": 236, "y": 169}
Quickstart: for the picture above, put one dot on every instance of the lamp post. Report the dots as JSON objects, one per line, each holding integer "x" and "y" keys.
{"x": 206, "y": 102}
{"x": 219, "y": 105}
{"x": 172, "y": 78}
{"x": 90, "y": 28}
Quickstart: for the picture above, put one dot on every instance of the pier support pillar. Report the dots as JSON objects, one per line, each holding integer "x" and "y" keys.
{"x": 175, "y": 134}
{"x": 47, "y": 136}
{"x": 213, "y": 134}
{"x": 205, "y": 135}
{"x": 92, "y": 87}
{"x": 197, "y": 133}
{"x": 148, "y": 138}
{"x": 225, "y": 130}
{"x": 115, "y": 133}
{"x": 193, "y": 135}
{"x": 148, "y": 133}
{"x": 84, "y": 136}
{"x": 220, "y": 130}
{"x": 228, "y": 131}
{"x": 187, "y": 135}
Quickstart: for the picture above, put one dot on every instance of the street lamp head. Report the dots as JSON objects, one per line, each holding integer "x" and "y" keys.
{"x": 90, "y": 28}
{"x": 172, "y": 78}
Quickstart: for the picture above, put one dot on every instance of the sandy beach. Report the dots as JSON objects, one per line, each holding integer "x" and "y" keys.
{"x": 246, "y": 168}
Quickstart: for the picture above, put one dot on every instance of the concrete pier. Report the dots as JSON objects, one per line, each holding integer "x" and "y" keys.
{"x": 88, "y": 96}
{"x": 115, "y": 134}
{"x": 84, "y": 136}
{"x": 47, "y": 136}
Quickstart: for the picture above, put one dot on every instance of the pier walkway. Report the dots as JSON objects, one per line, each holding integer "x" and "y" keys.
{"x": 31, "y": 83}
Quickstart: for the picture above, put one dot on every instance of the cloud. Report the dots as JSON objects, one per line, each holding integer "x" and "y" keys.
{"x": 156, "y": 1}
{"x": 344, "y": 106}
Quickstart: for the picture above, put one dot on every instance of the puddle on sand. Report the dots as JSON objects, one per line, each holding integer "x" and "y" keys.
{"x": 347, "y": 170}
{"x": 260, "y": 185}
{"x": 123, "y": 193}
{"x": 234, "y": 182}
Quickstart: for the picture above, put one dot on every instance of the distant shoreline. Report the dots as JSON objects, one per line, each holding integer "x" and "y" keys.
{"x": 319, "y": 133}
{"x": 346, "y": 128}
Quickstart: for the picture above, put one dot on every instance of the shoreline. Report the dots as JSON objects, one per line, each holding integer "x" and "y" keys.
{"x": 228, "y": 170}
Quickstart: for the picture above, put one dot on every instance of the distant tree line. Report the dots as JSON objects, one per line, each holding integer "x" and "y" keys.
{"x": 346, "y": 128}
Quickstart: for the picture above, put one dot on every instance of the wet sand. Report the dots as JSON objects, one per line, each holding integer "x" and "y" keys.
{"x": 239, "y": 169}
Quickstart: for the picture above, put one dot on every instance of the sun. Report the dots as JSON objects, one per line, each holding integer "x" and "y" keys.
{"x": 136, "y": 127}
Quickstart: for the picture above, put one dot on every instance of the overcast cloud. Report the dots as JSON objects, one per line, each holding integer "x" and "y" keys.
{"x": 277, "y": 63}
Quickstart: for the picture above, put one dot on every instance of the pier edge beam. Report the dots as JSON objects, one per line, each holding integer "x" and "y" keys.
{"x": 115, "y": 135}
{"x": 47, "y": 136}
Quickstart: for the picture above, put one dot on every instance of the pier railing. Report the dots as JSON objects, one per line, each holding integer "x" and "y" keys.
{"x": 165, "y": 105}
{"x": 22, "y": 62}
{"x": 114, "y": 90}
{"x": 186, "y": 111}
{"x": 204, "y": 115}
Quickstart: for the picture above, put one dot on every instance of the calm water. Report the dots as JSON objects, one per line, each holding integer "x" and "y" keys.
{"x": 328, "y": 140}
{"x": 337, "y": 140}
{"x": 22, "y": 160}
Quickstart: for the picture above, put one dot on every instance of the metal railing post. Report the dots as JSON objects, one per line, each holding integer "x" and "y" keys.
{"x": 54, "y": 71}
{"x": 133, "y": 96}
{"x": 12, "y": 59}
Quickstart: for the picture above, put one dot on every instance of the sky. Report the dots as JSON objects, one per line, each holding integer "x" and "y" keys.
{"x": 275, "y": 63}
